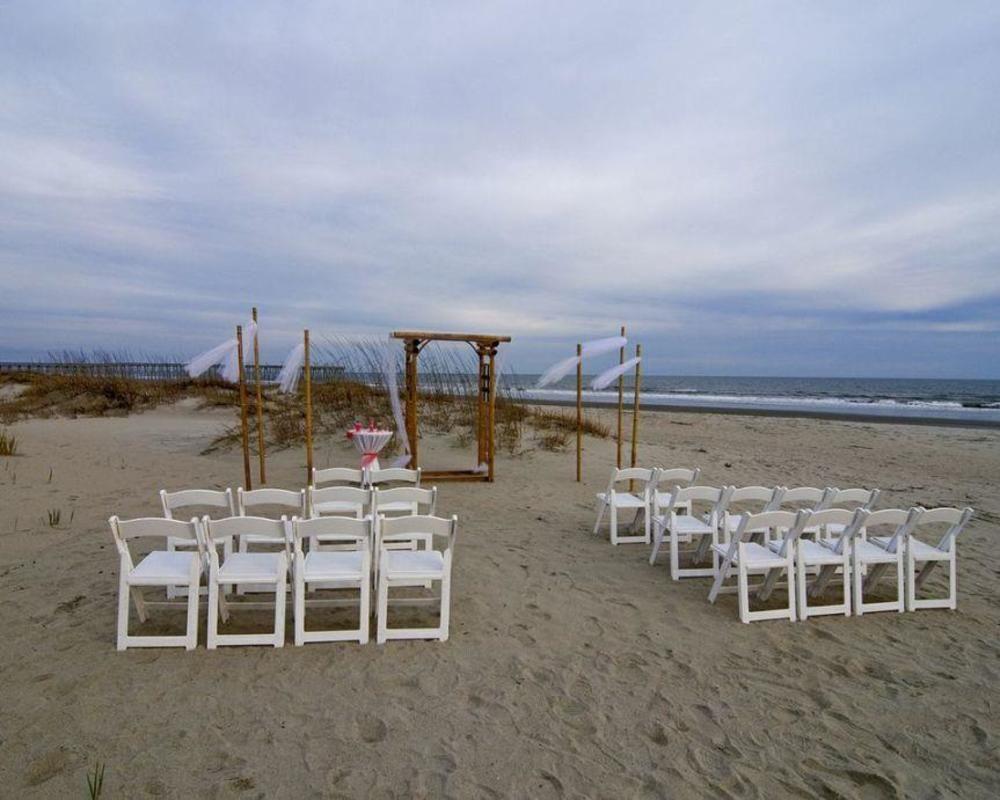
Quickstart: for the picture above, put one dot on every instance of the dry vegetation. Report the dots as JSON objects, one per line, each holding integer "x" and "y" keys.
{"x": 447, "y": 401}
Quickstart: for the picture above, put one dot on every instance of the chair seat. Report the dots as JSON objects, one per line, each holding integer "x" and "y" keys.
{"x": 685, "y": 524}
{"x": 251, "y": 568}
{"x": 811, "y": 552}
{"x": 336, "y": 507}
{"x": 333, "y": 565}
{"x": 162, "y": 568}
{"x": 871, "y": 553}
{"x": 755, "y": 555}
{"x": 921, "y": 551}
{"x": 623, "y": 500}
{"x": 413, "y": 563}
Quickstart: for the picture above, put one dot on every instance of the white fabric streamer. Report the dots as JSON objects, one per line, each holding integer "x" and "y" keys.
{"x": 291, "y": 369}
{"x": 392, "y": 387}
{"x": 231, "y": 369}
{"x": 606, "y": 378}
{"x": 592, "y": 348}
{"x": 203, "y": 362}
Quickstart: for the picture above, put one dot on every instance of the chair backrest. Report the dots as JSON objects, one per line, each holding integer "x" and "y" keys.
{"x": 338, "y": 494}
{"x": 394, "y": 474}
{"x": 151, "y": 527}
{"x": 218, "y": 531}
{"x": 346, "y": 475}
{"x": 690, "y": 495}
{"x": 406, "y": 494}
{"x": 865, "y": 498}
{"x": 768, "y": 497}
{"x": 282, "y": 498}
{"x": 325, "y": 530}
{"x": 645, "y": 476}
{"x": 789, "y": 523}
{"x": 404, "y": 528}
{"x": 197, "y": 498}
{"x": 901, "y": 521}
{"x": 956, "y": 520}
{"x": 806, "y": 496}
{"x": 852, "y": 521}
{"x": 678, "y": 476}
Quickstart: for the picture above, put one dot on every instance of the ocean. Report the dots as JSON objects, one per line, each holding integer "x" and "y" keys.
{"x": 970, "y": 401}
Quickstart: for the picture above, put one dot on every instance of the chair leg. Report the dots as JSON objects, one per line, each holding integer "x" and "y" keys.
{"x": 140, "y": 604}
{"x": 657, "y": 541}
{"x": 911, "y": 576}
{"x": 675, "y": 557}
{"x": 647, "y": 523}
{"x": 365, "y": 610}
{"x": 192, "y": 615}
{"x": 800, "y": 587}
{"x": 900, "y": 583}
{"x": 241, "y": 548}
{"x": 279, "y": 611}
{"x": 123, "y": 602}
{"x": 601, "y": 508}
{"x": 846, "y": 568}
{"x": 299, "y": 609}
{"x": 953, "y": 580}
{"x": 792, "y": 583}
{"x": 213, "y": 613}
{"x": 445, "y": 605}
{"x": 859, "y": 598}
{"x": 382, "y": 610}
{"x": 743, "y": 590}
{"x": 613, "y": 522}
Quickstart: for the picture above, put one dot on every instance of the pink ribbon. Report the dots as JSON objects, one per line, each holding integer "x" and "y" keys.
{"x": 367, "y": 459}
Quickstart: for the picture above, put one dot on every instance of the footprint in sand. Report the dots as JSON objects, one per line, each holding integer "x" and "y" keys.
{"x": 371, "y": 729}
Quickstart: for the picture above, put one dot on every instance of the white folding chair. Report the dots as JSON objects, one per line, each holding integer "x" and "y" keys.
{"x": 340, "y": 475}
{"x": 411, "y": 568}
{"x": 682, "y": 525}
{"x": 195, "y": 502}
{"x": 930, "y": 555}
{"x": 396, "y": 475}
{"x": 747, "y": 556}
{"x": 679, "y": 476}
{"x": 825, "y": 556}
{"x": 177, "y": 567}
{"x": 759, "y": 498}
{"x": 404, "y": 500}
{"x": 871, "y": 561}
{"x": 613, "y": 501}
{"x": 269, "y": 503}
{"x": 348, "y": 566}
{"x": 809, "y": 498}
{"x": 244, "y": 568}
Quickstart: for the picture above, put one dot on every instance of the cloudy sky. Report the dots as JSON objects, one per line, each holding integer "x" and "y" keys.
{"x": 777, "y": 188}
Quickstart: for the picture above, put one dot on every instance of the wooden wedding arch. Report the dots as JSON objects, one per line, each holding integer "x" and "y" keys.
{"x": 486, "y": 346}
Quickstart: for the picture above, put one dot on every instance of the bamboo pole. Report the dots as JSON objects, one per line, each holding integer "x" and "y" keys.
{"x": 244, "y": 425}
{"x": 621, "y": 403}
{"x": 309, "y": 410}
{"x": 579, "y": 413}
{"x": 492, "y": 416}
{"x": 635, "y": 406}
{"x": 260, "y": 402}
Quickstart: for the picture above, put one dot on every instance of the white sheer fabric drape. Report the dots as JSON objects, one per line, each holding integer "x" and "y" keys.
{"x": 607, "y": 377}
{"x": 594, "y": 347}
{"x": 291, "y": 369}
{"x": 231, "y": 370}
{"x": 392, "y": 387}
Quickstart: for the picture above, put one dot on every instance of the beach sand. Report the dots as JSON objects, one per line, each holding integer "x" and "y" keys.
{"x": 574, "y": 669}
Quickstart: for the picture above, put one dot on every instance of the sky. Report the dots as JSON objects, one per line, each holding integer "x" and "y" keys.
{"x": 767, "y": 188}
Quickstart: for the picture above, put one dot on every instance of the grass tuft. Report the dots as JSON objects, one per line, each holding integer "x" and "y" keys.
{"x": 8, "y": 443}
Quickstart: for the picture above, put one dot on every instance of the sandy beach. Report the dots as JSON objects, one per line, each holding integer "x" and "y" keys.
{"x": 574, "y": 669}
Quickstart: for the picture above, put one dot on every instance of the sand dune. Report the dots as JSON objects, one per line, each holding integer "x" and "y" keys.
{"x": 574, "y": 669}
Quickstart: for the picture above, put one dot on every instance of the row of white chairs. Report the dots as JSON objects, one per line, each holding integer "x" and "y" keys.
{"x": 854, "y": 551}
{"x": 834, "y": 531}
{"x": 364, "y": 478}
{"x": 340, "y": 557}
